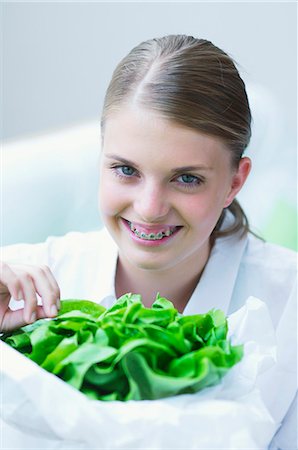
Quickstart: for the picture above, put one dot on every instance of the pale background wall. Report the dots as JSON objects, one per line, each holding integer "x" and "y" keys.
{"x": 58, "y": 58}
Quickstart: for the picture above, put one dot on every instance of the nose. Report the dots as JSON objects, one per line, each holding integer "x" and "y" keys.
{"x": 151, "y": 203}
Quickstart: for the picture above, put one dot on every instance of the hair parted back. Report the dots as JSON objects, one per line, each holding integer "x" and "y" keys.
{"x": 192, "y": 83}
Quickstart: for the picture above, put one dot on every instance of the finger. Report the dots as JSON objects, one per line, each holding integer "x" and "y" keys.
{"x": 53, "y": 282}
{"x": 29, "y": 296}
{"x": 10, "y": 281}
{"x": 12, "y": 320}
{"x": 47, "y": 288}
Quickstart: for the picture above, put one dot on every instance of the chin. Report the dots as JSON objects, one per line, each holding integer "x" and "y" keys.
{"x": 152, "y": 263}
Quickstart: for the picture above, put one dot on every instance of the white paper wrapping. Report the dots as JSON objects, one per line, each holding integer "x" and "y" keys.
{"x": 40, "y": 411}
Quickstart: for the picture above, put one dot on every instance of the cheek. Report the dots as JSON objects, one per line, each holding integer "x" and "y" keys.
{"x": 110, "y": 198}
{"x": 106, "y": 199}
{"x": 203, "y": 210}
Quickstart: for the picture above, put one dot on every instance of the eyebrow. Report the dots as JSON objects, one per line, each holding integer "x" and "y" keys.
{"x": 127, "y": 162}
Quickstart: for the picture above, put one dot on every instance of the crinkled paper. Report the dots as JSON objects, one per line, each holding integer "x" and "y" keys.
{"x": 40, "y": 411}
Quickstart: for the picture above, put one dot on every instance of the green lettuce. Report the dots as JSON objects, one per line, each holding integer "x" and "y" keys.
{"x": 130, "y": 352}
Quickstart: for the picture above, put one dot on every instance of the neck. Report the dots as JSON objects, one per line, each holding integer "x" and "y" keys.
{"x": 176, "y": 283}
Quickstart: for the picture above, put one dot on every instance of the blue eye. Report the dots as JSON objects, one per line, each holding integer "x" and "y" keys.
{"x": 126, "y": 170}
{"x": 188, "y": 179}
{"x": 123, "y": 171}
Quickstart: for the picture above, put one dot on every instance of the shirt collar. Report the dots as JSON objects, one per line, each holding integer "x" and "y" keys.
{"x": 216, "y": 285}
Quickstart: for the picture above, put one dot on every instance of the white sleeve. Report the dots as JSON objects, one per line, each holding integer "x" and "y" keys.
{"x": 286, "y": 436}
{"x": 279, "y": 384}
{"x": 78, "y": 261}
{"x": 35, "y": 254}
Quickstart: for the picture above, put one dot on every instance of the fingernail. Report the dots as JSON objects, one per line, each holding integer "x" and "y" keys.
{"x": 58, "y": 304}
{"x": 54, "y": 310}
{"x": 33, "y": 317}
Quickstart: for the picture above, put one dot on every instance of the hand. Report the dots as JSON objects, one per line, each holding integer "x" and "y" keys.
{"x": 23, "y": 282}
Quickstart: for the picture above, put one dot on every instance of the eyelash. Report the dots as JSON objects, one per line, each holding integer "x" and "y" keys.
{"x": 198, "y": 180}
{"x": 116, "y": 171}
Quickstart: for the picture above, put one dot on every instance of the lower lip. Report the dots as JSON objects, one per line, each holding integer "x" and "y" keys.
{"x": 147, "y": 242}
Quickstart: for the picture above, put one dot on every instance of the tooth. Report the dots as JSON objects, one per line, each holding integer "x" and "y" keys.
{"x": 151, "y": 236}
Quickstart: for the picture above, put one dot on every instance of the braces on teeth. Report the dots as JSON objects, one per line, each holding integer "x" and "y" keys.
{"x": 150, "y": 236}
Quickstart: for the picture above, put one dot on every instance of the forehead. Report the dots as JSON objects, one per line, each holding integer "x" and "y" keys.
{"x": 136, "y": 133}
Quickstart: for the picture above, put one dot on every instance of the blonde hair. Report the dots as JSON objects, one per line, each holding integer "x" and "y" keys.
{"x": 192, "y": 83}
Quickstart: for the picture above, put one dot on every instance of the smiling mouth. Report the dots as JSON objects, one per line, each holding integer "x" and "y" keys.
{"x": 161, "y": 233}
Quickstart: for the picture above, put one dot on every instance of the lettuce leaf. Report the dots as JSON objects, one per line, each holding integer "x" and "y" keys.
{"x": 130, "y": 352}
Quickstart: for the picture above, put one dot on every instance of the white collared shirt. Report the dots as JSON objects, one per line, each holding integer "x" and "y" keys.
{"x": 84, "y": 265}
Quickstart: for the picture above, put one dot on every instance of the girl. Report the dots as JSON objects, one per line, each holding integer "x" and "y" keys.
{"x": 175, "y": 123}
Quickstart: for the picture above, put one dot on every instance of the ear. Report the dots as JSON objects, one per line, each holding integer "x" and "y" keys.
{"x": 238, "y": 179}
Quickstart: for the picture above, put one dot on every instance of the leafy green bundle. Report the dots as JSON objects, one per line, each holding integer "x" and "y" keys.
{"x": 129, "y": 352}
